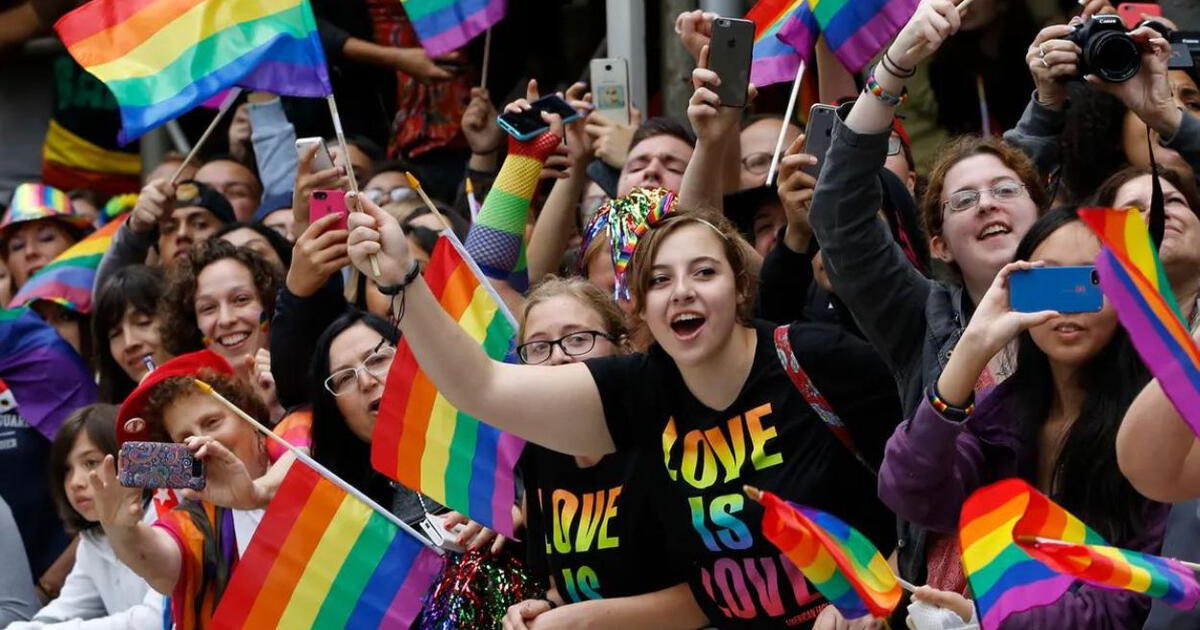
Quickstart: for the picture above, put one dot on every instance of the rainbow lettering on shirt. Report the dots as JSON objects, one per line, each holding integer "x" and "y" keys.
{"x": 579, "y": 523}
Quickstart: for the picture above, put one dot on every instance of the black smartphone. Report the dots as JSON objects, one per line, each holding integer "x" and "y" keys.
{"x": 729, "y": 55}
{"x": 818, "y": 135}
{"x": 529, "y": 124}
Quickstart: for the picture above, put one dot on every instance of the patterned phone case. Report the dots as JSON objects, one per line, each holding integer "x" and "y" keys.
{"x": 159, "y": 465}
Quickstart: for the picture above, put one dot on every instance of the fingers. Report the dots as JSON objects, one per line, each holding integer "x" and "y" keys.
{"x": 796, "y": 146}
{"x": 531, "y": 90}
{"x": 304, "y": 165}
{"x": 498, "y": 544}
{"x": 703, "y": 61}
{"x": 576, "y": 91}
{"x": 454, "y": 519}
{"x": 555, "y": 122}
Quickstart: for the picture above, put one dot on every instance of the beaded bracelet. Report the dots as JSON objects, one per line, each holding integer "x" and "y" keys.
{"x": 891, "y": 100}
{"x": 948, "y": 411}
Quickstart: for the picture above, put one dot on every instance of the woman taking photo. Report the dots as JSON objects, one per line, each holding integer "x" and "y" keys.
{"x": 125, "y": 327}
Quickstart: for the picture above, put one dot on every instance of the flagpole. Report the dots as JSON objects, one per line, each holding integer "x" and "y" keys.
{"x": 1039, "y": 540}
{"x": 787, "y": 120}
{"x": 487, "y": 56}
{"x": 341, "y": 137}
{"x": 233, "y": 94}
{"x": 312, "y": 463}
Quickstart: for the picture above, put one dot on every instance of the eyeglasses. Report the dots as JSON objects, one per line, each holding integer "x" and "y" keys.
{"x": 757, "y": 163}
{"x": 572, "y": 345}
{"x": 379, "y": 196}
{"x": 376, "y": 364}
{"x": 895, "y": 145}
{"x": 1004, "y": 190}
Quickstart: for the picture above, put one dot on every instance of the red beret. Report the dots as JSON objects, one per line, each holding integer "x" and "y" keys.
{"x": 190, "y": 364}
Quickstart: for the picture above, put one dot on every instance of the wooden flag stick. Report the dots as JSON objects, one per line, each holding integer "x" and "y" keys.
{"x": 341, "y": 137}
{"x": 487, "y": 57}
{"x": 962, "y": 8}
{"x": 225, "y": 105}
{"x": 1039, "y": 540}
{"x": 312, "y": 463}
{"x": 787, "y": 120}
{"x": 415, "y": 184}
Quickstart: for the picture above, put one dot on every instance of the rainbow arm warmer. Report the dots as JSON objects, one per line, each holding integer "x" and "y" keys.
{"x": 497, "y": 238}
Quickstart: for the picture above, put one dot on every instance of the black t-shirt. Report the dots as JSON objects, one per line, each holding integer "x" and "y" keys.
{"x": 769, "y": 438}
{"x": 595, "y": 530}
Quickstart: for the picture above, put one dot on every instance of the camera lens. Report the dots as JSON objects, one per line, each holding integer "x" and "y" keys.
{"x": 609, "y": 68}
{"x": 1095, "y": 277}
{"x": 1113, "y": 56}
{"x": 319, "y": 195}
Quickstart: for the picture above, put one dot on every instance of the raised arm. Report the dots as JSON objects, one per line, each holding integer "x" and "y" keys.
{"x": 716, "y": 129}
{"x": 556, "y": 222}
{"x": 1156, "y": 449}
{"x": 148, "y": 551}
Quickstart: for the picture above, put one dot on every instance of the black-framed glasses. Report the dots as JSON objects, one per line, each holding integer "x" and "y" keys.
{"x": 572, "y": 345}
{"x": 757, "y": 163}
{"x": 376, "y": 364}
{"x": 1003, "y": 190}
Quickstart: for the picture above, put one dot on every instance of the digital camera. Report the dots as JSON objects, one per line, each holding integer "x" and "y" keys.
{"x": 1108, "y": 50}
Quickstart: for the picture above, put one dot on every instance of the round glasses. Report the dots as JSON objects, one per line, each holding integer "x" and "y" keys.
{"x": 379, "y": 196}
{"x": 572, "y": 345}
{"x": 757, "y": 163}
{"x": 376, "y": 364}
{"x": 966, "y": 199}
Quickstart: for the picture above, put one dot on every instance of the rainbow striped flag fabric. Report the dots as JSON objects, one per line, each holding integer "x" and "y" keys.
{"x": 45, "y": 375}
{"x": 774, "y": 61}
{"x": 840, "y": 562}
{"x": 1133, "y": 279}
{"x": 447, "y": 25}
{"x": 161, "y": 58}
{"x": 855, "y": 30}
{"x": 321, "y": 558}
{"x": 424, "y": 442}
{"x": 69, "y": 278}
{"x": 1116, "y": 568}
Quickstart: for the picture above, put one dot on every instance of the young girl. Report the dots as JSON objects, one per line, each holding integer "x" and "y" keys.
{"x": 100, "y": 592}
{"x": 1053, "y": 423}
{"x": 711, "y": 399}
{"x": 125, "y": 325}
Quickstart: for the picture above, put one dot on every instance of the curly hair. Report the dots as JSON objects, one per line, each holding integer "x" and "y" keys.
{"x": 1092, "y": 147}
{"x": 177, "y": 311}
{"x": 173, "y": 389}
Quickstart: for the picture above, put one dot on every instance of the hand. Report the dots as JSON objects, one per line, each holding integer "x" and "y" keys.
{"x": 473, "y": 535}
{"x": 949, "y": 600}
{"x": 994, "y": 323}
{"x": 239, "y": 134}
{"x": 1148, "y": 93}
{"x": 520, "y": 615}
{"x": 118, "y": 508}
{"x": 556, "y": 165}
{"x": 483, "y": 135}
{"x": 611, "y": 140}
{"x": 831, "y": 619}
{"x": 319, "y": 253}
{"x": 1052, "y": 60}
{"x": 374, "y": 232}
{"x": 415, "y": 62}
{"x": 930, "y": 26}
{"x": 578, "y": 142}
{"x": 258, "y": 372}
{"x": 796, "y": 192}
{"x": 709, "y": 118}
{"x": 694, "y": 29}
{"x": 308, "y": 181}
{"x": 1096, "y": 7}
{"x": 151, "y": 206}
{"x": 228, "y": 483}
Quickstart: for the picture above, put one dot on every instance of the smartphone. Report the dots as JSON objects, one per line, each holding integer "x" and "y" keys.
{"x": 322, "y": 160}
{"x": 326, "y": 202}
{"x": 610, "y": 89}
{"x": 1062, "y": 289}
{"x": 1132, "y": 13}
{"x": 1185, "y": 50}
{"x": 729, "y": 55}
{"x": 529, "y": 124}
{"x": 818, "y": 135}
{"x": 159, "y": 465}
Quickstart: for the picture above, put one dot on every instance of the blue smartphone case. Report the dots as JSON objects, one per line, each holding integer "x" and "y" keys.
{"x": 535, "y": 125}
{"x": 1062, "y": 289}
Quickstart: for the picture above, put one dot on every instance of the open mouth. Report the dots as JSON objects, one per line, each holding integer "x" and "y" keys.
{"x": 233, "y": 340}
{"x": 1068, "y": 328}
{"x": 687, "y": 325}
{"x": 373, "y": 406}
{"x": 993, "y": 229}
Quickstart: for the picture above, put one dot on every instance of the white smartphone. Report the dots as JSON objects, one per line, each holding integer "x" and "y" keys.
{"x": 610, "y": 89}
{"x": 323, "y": 160}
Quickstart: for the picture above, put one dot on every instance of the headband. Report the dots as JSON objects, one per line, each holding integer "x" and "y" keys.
{"x": 624, "y": 220}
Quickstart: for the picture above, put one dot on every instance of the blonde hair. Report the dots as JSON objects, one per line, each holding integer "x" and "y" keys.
{"x": 586, "y": 293}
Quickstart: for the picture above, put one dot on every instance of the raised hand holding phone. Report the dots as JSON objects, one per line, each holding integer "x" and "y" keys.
{"x": 709, "y": 116}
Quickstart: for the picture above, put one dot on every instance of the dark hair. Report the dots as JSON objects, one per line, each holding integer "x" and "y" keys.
{"x": 138, "y": 286}
{"x": 177, "y": 310}
{"x": 86, "y": 194}
{"x": 392, "y": 166}
{"x": 367, "y": 146}
{"x": 1106, "y": 196}
{"x": 1086, "y": 479}
{"x": 661, "y": 126}
{"x": 334, "y": 445}
{"x": 968, "y": 146}
{"x": 1092, "y": 147}
{"x": 98, "y": 421}
{"x": 282, "y": 247}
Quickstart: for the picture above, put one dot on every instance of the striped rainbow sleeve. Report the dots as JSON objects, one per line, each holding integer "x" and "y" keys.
{"x": 497, "y": 239}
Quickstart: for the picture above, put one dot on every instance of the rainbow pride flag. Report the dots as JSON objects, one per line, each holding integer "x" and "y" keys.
{"x": 1133, "y": 279}
{"x": 447, "y": 25}
{"x": 774, "y": 61}
{"x": 321, "y": 558}
{"x": 45, "y": 375}
{"x": 161, "y": 58}
{"x": 855, "y": 30}
{"x": 69, "y": 278}
{"x": 425, "y": 443}
{"x": 840, "y": 562}
{"x": 1116, "y": 568}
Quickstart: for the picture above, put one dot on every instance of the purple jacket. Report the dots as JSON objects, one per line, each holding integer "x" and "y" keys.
{"x": 932, "y": 465}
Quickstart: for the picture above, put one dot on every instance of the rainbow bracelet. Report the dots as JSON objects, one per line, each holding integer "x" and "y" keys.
{"x": 948, "y": 411}
{"x": 891, "y": 100}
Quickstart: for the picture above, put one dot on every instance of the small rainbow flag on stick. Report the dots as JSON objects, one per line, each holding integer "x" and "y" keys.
{"x": 161, "y": 58}
{"x": 774, "y": 61}
{"x": 840, "y": 562}
{"x": 424, "y": 442}
{"x": 321, "y": 558}
{"x": 856, "y": 30}
{"x": 69, "y": 278}
{"x": 1133, "y": 279}
{"x": 447, "y": 25}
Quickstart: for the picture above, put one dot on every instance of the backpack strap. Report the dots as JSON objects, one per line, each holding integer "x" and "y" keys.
{"x": 818, "y": 402}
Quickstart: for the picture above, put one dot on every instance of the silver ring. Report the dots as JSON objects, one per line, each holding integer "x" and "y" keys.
{"x": 1041, "y": 50}
{"x": 1045, "y": 64}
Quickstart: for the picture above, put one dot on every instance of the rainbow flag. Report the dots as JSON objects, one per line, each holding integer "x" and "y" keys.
{"x": 321, "y": 558}
{"x": 161, "y": 58}
{"x": 1133, "y": 279}
{"x": 855, "y": 30}
{"x": 840, "y": 562}
{"x": 425, "y": 443}
{"x": 774, "y": 61}
{"x": 1116, "y": 568}
{"x": 447, "y": 25}
{"x": 69, "y": 278}
{"x": 45, "y": 375}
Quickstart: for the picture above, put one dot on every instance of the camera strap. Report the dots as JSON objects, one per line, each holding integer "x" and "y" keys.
{"x": 1158, "y": 213}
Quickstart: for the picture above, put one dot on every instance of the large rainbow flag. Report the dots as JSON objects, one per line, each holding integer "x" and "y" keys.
{"x": 855, "y": 30}
{"x": 47, "y": 378}
{"x": 161, "y": 58}
{"x": 774, "y": 61}
{"x": 321, "y": 558}
{"x": 69, "y": 278}
{"x": 841, "y": 563}
{"x": 1133, "y": 279}
{"x": 447, "y": 25}
{"x": 424, "y": 442}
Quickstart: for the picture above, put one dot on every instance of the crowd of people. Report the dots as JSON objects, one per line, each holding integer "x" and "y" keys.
{"x": 686, "y": 328}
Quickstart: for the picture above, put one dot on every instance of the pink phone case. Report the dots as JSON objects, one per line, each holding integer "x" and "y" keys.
{"x": 325, "y": 202}
{"x": 159, "y": 465}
